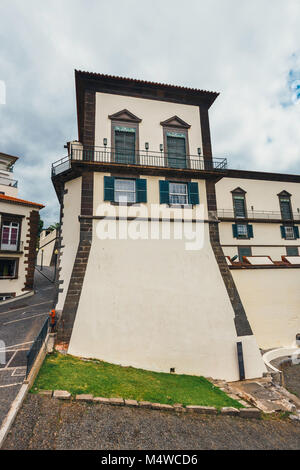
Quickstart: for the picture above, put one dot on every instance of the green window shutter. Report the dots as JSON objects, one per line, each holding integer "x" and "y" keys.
{"x": 141, "y": 190}
{"x": 296, "y": 231}
{"x": 234, "y": 231}
{"x": 109, "y": 188}
{"x": 250, "y": 231}
{"x": 193, "y": 193}
{"x": 282, "y": 230}
{"x": 164, "y": 192}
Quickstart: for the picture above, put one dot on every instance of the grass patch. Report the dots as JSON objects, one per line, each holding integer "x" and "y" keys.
{"x": 64, "y": 372}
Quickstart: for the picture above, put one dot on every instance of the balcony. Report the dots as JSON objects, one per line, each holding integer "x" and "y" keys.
{"x": 257, "y": 215}
{"x": 147, "y": 158}
{"x": 8, "y": 182}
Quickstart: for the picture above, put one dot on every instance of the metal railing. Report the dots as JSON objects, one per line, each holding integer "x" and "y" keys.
{"x": 254, "y": 214}
{"x": 140, "y": 158}
{"x": 8, "y": 182}
{"x": 36, "y": 346}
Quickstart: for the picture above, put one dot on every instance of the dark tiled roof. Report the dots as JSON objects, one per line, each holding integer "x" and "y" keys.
{"x": 143, "y": 82}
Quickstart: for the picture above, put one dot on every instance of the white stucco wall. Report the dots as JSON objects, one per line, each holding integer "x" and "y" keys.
{"x": 260, "y": 194}
{"x": 152, "y": 112}
{"x": 155, "y": 305}
{"x": 271, "y": 298}
{"x": 47, "y": 243}
{"x": 70, "y": 235}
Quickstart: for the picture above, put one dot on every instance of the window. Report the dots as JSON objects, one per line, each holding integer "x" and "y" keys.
{"x": 8, "y": 268}
{"x": 239, "y": 203}
{"x": 242, "y": 231}
{"x": 289, "y": 232}
{"x": 125, "y": 190}
{"x": 292, "y": 251}
{"x": 239, "y": 206}
{"x": 178, "y": 193}
{"x": 122, "y": 190}
{"x": 173, "y": 192}
{"x": 244, "y": 251}
{"x": 125, "y": 145}
{"x": 124, "y": 136}
{"x": 285, "y": 205}
{"x": 175, "y": 135}
{"x": 176, "y": 148}
{"x": 10, "y": 236}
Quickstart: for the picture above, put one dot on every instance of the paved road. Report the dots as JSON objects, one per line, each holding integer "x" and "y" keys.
{"x": 20, "y": 322}
{"x": 45, "y": 423}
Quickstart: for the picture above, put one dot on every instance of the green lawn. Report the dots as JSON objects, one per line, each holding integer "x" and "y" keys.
{"x": 64, "y": 372}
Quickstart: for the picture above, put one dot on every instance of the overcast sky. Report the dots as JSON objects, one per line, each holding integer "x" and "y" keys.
{"x": 249, "y": 51}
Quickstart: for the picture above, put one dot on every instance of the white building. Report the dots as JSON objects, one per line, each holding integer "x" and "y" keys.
{"x": 134, "y": 294}
{"x": 19, "y": 227}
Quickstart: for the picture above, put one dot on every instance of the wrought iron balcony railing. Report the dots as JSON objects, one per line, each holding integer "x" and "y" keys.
{"x": 255, "y": 214}
{"x": 140, "y": 158}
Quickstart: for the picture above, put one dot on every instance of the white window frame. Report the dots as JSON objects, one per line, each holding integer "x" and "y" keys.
{"x": 128, "y": 191}
{"x": 242, "y": 234}
{"x": 10, "y": 246}
{"x": 178, "y": 194}
{"x": 289, "y": 231}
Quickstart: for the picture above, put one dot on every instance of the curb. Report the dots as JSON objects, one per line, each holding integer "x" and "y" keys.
{"x": 18, "y": 401}
{"x": 253, "y": 413}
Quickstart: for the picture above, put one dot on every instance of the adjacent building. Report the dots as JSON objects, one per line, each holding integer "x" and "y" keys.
{"x": 19, "y": 228}
{"x": 159, "y": 238}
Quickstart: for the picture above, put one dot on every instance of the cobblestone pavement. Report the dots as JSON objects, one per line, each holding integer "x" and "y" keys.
{"x": 20, "y": 322}
{"x": 292, "y": 378}
{"x": 45, "y": 423}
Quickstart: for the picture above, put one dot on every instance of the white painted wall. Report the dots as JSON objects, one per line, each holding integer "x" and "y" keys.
{"x": 152, "y": 112}
{"x": 271, "y": 298}
{"x": 70, "y": 235}
{"x": 153, "y": 304}
{"x": 47, "y": 243}
{"x": 260, "y": 194}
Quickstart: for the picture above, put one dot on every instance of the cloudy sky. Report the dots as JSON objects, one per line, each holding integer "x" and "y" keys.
{"x": 249, "y": 51}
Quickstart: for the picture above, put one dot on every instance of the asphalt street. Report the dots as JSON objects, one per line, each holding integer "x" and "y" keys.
{"x": 20, "y": 323}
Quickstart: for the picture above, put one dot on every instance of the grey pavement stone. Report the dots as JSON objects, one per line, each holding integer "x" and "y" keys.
{"x": 131, "y": 403}
{"x": 61, "y": 394}
{"x": 84, "y": 397}
{"x": 116, "y": 401}
{"x": 250, "y": 413}
{"x": 101, "y": 400}
{"x": 162, "y": 406}
{"x": 230, "y": 411}
{"x": 211, "y": 410}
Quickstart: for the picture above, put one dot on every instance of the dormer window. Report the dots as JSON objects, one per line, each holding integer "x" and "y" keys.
{"x": 239, "y": 203}
{"x": 285, "y": 205}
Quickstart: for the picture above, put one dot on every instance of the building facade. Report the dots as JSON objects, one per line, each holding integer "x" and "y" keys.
{"x": 146, "y": 277}
{"x": 19, "y": 228}
{"x": 259, "y": 232}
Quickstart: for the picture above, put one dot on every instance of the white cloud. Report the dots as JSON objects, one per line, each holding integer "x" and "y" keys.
{"x": 245, "y": 50}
